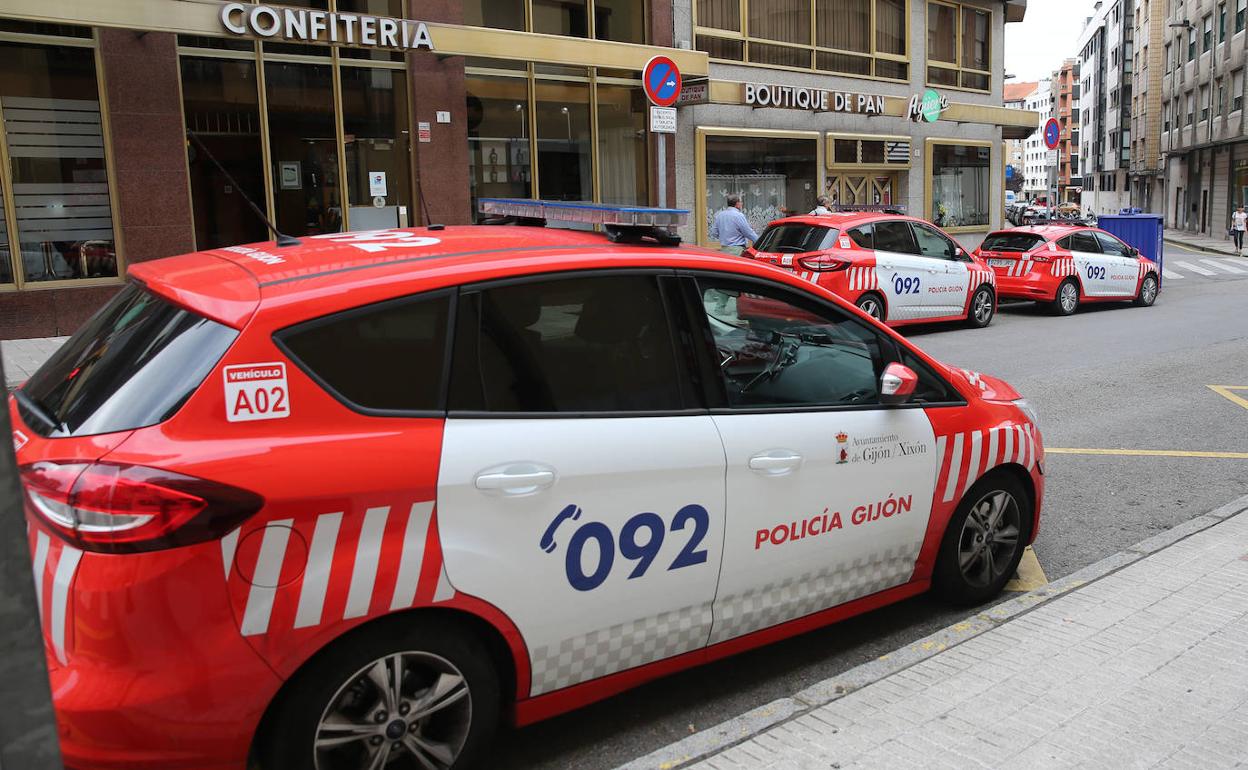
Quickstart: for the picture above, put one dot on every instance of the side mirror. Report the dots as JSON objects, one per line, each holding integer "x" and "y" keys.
{"x": 897, "y": 384}
{"x": 957, "y": 251}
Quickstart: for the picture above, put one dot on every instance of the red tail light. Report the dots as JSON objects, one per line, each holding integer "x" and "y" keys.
{"x": 1038, "y": 257}
{"x": 823, "y": 263}
{"x": 116, "y": 508}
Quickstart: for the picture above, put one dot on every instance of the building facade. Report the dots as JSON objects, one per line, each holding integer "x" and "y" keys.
{"x": 1065, "y": 94}
{"x": 1147, "y": 107}
{"x": 1040, "y": 101}
{"x": 1204, "y": 136}
{"x": 137, "y": 129}
{"x": 1014, "y": 97}
{"x": 1106, "y": 56}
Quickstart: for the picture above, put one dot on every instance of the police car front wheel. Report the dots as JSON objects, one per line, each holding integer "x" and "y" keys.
{"x": 390, "y": 696}
{"x": 984, "y": 541}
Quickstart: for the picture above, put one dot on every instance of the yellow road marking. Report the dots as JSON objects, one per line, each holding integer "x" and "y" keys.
{"x": 1147, "y": 453}
{"x": 1225, "y": 392}
{"x": 1030, "y": 574}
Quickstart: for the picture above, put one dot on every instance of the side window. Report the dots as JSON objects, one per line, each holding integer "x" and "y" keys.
{"x": 864, "y": 236}
{"x": 1065, "y": 243}
{"x": 1084, "y": 242}
{"x": 387, "y": 356}
{"x": 1111, "y": 245}
{"x": 931, "y": 388}
{"x": 895, "y": 236}
{"x": 777, "y": 349}
{"x": 932, "y": 243}
{"x": 586, "y": 344}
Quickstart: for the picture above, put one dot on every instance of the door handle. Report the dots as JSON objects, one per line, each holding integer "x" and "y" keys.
{"x": 777, "y": 462}
{"x": 515, "y": 479}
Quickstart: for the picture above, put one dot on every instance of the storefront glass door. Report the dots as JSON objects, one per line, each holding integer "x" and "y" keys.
{"x": 374, "y": 121}
{"x": 303, "y": 146}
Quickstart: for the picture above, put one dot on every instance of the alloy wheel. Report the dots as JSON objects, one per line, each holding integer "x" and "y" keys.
{"x": 1070, "y": 295}
{"x": 1149, "y": 291}
{"x": 405, "y": 710}
{"x": 982, "y": 306}
{"x": 989, "y": 538}
{"x": 871, "y": 307}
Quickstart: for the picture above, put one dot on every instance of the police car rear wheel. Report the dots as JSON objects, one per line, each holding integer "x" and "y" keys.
{"x": 984, "y": 541}
{"x": 872, "y": 306}
{"x": 392, "y": 697}
{"x": 983, "y": 308}
{"x": 1067, "y": 300}
{"x": 1148, "y": 291}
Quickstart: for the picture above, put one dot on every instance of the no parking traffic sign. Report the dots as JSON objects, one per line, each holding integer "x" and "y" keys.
{"x": 661, "y": 79}
{"x": 1052, "y": 133}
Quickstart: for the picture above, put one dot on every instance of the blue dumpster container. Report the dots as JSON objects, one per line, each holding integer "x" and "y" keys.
{"x": 1143, "y": 231}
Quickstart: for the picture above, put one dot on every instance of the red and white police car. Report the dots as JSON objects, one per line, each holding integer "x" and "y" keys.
{"x": 1064, "y": 265}
{"x": 349, "y": 503}
{"x": 898, "y": 269}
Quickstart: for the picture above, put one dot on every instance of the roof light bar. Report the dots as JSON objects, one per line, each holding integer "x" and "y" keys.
{"x": 622, "y": 223}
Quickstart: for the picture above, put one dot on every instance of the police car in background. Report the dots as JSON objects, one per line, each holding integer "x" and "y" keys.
{"x": 897, "y": 269}
{"x": 1064, "y": 265}
{"x": 348, "y": 503}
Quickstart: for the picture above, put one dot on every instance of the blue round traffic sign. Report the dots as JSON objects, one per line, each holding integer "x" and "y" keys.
{"x": 661, "y": 79}
{"x": 1052, "y": 133}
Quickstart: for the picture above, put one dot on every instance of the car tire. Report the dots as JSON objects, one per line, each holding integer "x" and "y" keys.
{"x": 873, "y": 305}
{"x": 337, "y": 695}
{"x": 970, "y": 571}
{"x": 1066, "y": 299}
{"x": 983, "y": 308}
{"x": 1148, "y": 291}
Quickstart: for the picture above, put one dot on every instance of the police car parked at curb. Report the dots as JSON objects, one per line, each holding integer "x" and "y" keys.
{"x": 348, "y": 503}
{"x": 1064, "y": 265}
{"x": 898, "y": 269}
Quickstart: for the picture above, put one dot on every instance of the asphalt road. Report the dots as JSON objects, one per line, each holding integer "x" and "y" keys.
{"x": 1109, "y": 377}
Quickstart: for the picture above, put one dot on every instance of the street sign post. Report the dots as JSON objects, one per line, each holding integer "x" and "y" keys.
{"x": 661, "y": 80}
{"x": 1052, "y": 137}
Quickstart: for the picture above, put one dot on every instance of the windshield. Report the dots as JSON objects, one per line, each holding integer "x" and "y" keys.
{"x": 131, "y": 365}
{"x": 796, "y": 239}
{"x": 1011, "y": 242}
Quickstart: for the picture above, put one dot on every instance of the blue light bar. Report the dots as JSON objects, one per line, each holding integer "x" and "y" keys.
{"x": 585, "y": 213}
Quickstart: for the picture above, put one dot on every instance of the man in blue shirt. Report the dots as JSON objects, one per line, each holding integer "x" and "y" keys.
{"x": 732, "y": 229}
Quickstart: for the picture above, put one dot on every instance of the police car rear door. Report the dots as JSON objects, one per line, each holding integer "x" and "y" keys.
{"x": 829, "y": 492}
{"x": 579, "y": 493}
{"x": 945, "y": 292}
{"x": 904, "y": 274}
{"x": 1122, "y": 267}
{"x": 1090, "y": 263}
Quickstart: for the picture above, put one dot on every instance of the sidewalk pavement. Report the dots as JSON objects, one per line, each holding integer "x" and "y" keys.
{"x": 1187, "y": 240}
{"x": 1136, "y": 661}
{"x": 23, "y": 357}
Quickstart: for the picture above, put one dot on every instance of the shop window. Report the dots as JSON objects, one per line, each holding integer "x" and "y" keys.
{"x": 960, "y": 182}
{"x": 564, "y": 150}
{"x": 374, "y": 124}
{"x": 63, "y": 228}
{"x": 623, "y": 163}
{"x": 303, "y": 148}
{"x": 500, "y": 163}
{"x": 222, "y": 107}
{"x": 775, "y": 177}
{"x": 569, "y": 18}
{"x": 946, "y": 65}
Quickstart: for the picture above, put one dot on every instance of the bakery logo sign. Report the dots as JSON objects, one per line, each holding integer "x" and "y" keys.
{"x": 312, "y": 26}
{"x": 927, "y": 106}
{"x": 813, "y": 99}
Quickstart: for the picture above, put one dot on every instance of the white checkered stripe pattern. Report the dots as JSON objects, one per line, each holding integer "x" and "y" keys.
{"x": 1063, "y": 267}
{"x": 863, "y": 279}
{"x": 619, "y": 647}
{"x": 798, "y": 596}
{"x": 974, "y": 378}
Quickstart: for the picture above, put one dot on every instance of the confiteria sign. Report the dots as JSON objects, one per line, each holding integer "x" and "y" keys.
{"x": 314, "y": 26}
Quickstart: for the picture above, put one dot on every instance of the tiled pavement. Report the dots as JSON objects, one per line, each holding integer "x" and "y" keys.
{"x": 1144, "y": 666}
{"x": 23, "y": 357}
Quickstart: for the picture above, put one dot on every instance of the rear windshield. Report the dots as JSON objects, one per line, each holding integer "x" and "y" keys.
{"x": 132, "y": 365}
{"x": 795, "y": 239}
{"x": 1011, "y": 242}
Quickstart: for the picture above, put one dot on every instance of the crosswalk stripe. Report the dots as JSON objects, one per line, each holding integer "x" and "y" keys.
{"x": 1221, "y": 265}
{"x": 1194, "y": 268}
{"x": 1167, "y": 274}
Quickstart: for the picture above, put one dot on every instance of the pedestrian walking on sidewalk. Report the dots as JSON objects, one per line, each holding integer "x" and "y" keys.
{"x": 732, "y": 229}
{"x": 1239, "y": 223}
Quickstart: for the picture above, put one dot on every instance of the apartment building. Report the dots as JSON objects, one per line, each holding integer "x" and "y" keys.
{"x": 1147, "y": 177}
{"x": 1204, "y": 135}
{"x": 1014, "y": 97}
{"x": 1040, "y": 101}
{"x": 1065, "y": 95}
{"x": 1106, "y": 61}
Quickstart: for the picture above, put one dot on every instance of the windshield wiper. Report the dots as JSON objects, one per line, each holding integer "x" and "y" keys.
{"x": 35, "y": 408}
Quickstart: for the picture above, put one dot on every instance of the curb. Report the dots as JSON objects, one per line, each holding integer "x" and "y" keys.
{"x": 713, "y": 740}
{"x": 1228, "y": 252}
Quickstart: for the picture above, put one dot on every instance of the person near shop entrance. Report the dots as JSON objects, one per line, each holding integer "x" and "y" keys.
{"x": 1239, "y": 223}
{"x": 732, "y": 229}
{"x": 823, "y": 205}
